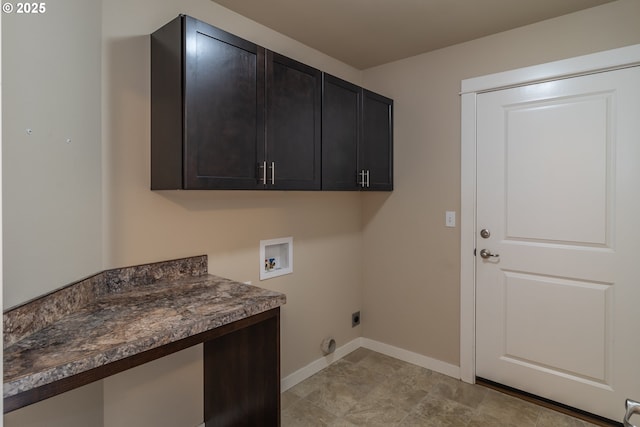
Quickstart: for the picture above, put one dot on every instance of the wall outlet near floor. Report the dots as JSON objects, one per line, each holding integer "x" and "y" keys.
{"x": 355, "y": 319}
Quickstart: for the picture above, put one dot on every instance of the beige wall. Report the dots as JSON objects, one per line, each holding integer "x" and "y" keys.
{"x": 411, "y": 277}
{"x": 81, "y": 407}
{"x": 52, "y": 188}
{"x": 387, "y": 254}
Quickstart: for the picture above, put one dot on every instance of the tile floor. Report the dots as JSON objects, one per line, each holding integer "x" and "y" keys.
{"x": 366, "y": 388}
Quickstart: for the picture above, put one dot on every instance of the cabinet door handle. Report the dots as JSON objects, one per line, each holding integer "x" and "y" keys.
{"x": 361, "y": 181}
{"x": 273, "y": 173}
{"x": 264, "y": 172}
{"x": 367, "y": 178}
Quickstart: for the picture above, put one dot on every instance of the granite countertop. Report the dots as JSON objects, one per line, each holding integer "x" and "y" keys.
{"x": 126, "y": 319}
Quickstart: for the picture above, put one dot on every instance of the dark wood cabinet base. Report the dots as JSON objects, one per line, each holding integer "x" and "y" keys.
{"x": 242, "y": 376}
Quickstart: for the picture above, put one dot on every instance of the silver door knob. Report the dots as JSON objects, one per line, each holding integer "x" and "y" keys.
{"x": 486, "y": 254}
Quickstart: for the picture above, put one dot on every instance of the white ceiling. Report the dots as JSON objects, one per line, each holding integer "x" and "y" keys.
{"x": 366, "y": 33}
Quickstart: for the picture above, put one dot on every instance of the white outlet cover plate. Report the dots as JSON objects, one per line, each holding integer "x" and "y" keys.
{"x": 450, "y": 219}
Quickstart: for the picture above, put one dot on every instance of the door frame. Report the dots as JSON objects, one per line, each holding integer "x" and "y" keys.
{"x": 470, "y": 88}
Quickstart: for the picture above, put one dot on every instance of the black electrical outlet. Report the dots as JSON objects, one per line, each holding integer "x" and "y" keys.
{"x": 355, "y": 319}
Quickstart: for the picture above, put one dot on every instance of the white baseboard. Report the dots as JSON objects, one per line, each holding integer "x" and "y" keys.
{"x": 319, "y": 364}
{"x": 389, "y": 350}
{"x": 414, "y": 358}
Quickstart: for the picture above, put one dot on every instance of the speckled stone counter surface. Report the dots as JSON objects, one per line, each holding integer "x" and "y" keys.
{"x": 120, "y": 313}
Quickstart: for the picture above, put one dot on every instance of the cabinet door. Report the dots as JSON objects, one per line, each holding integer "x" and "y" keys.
{"x": 376, "y": 149}
{"x": 224, "y": 109}
{"x": 341, "y": 105}
{"x": 293, "y": 124}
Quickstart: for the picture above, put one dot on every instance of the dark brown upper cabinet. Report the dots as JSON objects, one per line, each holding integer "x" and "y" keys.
{"x": 341, "y": 129}
{"x": 375, "y": 157}
{"x": 229, "y": 114}
{"x": 357, "y": 138}
{"x": 207, "y": 108}
{"x": 294, "y": 100}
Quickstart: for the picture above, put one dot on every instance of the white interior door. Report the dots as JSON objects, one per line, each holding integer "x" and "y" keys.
{"x": 558, "y": 189}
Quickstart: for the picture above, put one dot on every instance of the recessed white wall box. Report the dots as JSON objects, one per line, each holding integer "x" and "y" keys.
{"x": 276, "y": 257}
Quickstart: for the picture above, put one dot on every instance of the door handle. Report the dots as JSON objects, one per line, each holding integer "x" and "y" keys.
{"x": 633, "y": 407}
{"x": 485, "y": 254}
{"x": 273, "y": 173}
{"x": 263, "y": 167}
{"x": 362, "y": 183}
